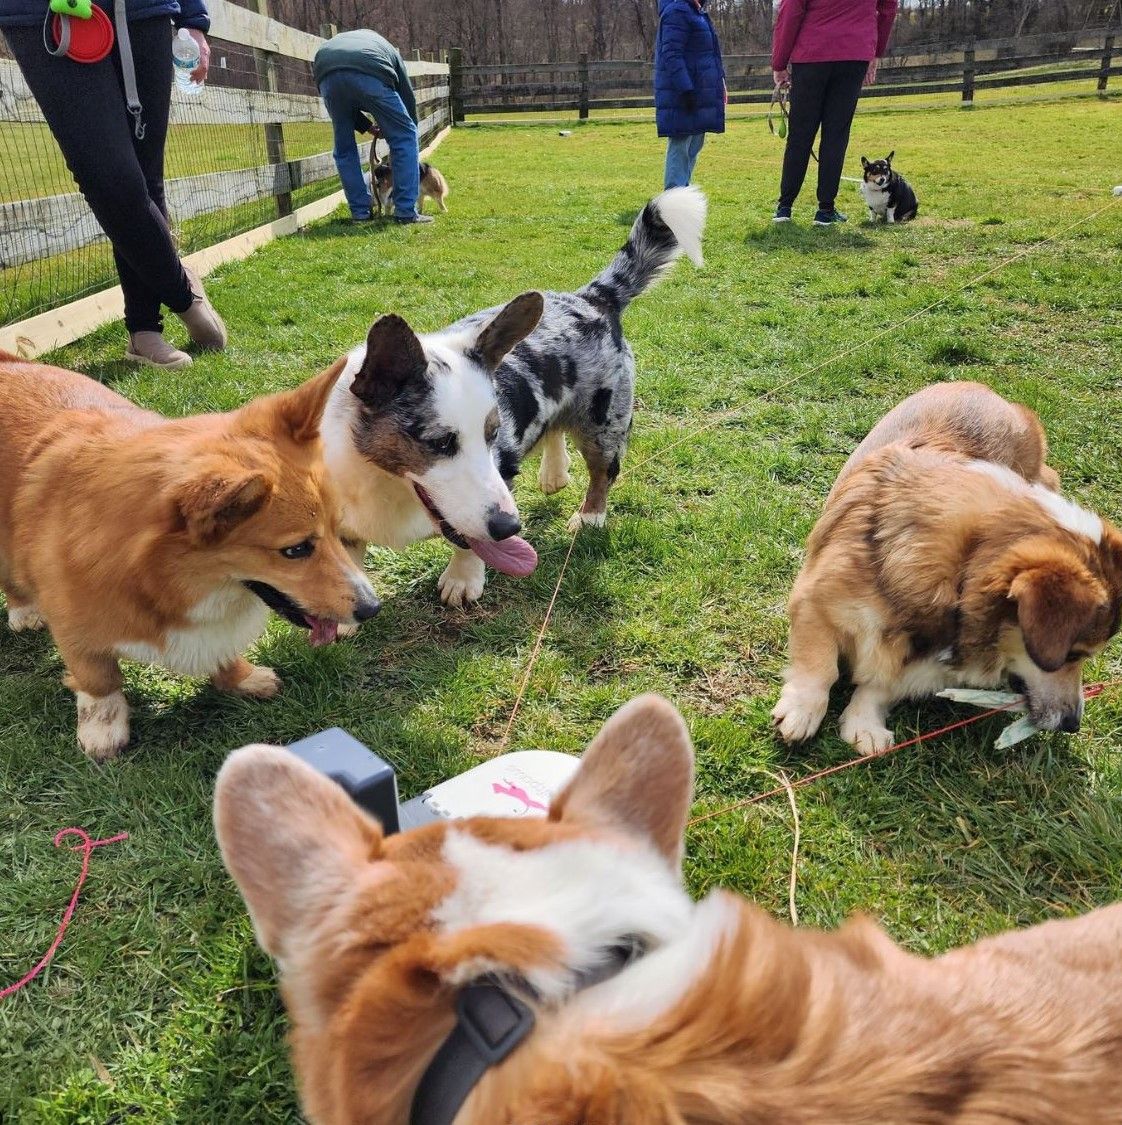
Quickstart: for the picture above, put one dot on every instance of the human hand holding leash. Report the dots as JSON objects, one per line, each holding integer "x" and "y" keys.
{"x": 781, "y": 77}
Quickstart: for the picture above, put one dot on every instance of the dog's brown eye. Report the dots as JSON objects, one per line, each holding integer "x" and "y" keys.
{"x": 299, "y": 550}
{"x": 443, "y": 446}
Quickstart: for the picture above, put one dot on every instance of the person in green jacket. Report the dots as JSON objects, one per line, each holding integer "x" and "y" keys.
{"x": 361, "y": 72}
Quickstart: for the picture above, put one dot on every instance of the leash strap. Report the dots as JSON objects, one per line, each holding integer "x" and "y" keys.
{"x": 780, "y": 97}
{"x": 63, "y": 35}
{"x": 128, "y": 70}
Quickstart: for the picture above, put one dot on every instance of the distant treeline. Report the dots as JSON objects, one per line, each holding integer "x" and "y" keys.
{"x": 500, "y": 31}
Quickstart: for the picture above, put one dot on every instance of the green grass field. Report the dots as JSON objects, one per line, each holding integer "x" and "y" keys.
{"x": 159, "y": 1008}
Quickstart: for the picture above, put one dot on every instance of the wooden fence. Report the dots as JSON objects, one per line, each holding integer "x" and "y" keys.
{"x": 260, "y": 86}
{"x": 585, "y": 86}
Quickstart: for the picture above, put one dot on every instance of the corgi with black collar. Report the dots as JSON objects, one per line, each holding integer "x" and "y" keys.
{"x": 886, "y": 193}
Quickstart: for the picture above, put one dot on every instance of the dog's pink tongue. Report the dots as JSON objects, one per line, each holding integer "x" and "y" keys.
{"x": 513, "y": 556}
{"x": 323, "y": 631}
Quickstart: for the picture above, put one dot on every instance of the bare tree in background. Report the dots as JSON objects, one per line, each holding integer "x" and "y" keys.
{"x": 497, "y": 31}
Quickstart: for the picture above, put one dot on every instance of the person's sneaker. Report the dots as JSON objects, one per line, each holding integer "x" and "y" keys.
{"x": 357, "y": 219}
{"x": 782, "y": 214}
{"x": 203, "y": 324}
{"x": 407, "y": 220}
{"x": 153, "y": 349}
{"x": 824, "y": 218}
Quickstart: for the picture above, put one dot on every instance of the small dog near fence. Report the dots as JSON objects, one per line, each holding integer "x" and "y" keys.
{"x": 433, "y": 186}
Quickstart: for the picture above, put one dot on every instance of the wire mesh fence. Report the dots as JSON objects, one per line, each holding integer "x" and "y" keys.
{"x": 254, "y": 144}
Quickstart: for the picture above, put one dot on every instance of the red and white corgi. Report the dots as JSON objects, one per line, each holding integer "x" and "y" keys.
{"x": 726, "y": 1016}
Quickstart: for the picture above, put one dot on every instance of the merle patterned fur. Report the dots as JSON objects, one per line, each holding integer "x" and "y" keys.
{"x": 575, "y": 372}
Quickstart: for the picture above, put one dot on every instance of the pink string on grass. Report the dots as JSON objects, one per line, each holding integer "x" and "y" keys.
{"x": 85, "y": 847}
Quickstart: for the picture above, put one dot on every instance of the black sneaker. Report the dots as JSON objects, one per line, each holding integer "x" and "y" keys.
{"x": 782, "y": 214}
{"x": 407, "y": 220}
{"x": 829, "y": 218}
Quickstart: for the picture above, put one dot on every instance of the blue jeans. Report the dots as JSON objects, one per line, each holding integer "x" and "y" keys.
{"x": 681, "y": 156}
{"x": 344, "y": 92}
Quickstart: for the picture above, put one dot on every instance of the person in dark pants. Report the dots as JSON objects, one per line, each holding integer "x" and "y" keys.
{"x": 121, "y": 174}
{"x": 826, "y": 50}
{"x": 689, "y": 80}
{"x": 360, "y": 72}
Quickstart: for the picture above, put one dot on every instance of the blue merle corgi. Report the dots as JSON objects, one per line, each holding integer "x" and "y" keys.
{"x": 888, "y": 195}
{"x": 423, "y": 435}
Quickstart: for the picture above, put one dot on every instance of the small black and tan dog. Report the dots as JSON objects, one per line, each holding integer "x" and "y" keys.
{"x": 888, "y": 195}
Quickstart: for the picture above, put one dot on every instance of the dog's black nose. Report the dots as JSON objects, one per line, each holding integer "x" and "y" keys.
{"x": 502, "y": 525}
{"x": 367, "y": 607}
{"x": 1069, "y": 724}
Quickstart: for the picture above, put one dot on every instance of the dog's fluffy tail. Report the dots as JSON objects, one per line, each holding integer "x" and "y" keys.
{"x": 670, "y": 225}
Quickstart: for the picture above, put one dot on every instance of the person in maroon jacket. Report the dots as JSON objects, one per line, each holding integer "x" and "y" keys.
{"x": 826, "y": 50}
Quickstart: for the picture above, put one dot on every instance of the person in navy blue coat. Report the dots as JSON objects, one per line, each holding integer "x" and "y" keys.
{"x": 114, "y": 148}
{"x": 689, "y": 84}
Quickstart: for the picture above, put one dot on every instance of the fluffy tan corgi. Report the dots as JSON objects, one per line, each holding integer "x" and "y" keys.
{"x": 467, "y": 971}
{"x": 167, "y": 541}
{"x": 946, "y": 557}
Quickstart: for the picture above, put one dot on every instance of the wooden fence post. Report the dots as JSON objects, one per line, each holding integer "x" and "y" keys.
{"x": 274, "y": 132}
{"x": 1104, "y": 69}
{"x": 456, "y": 84}
{"x": 582, "y": 111}
{"x": 968, "y": 75}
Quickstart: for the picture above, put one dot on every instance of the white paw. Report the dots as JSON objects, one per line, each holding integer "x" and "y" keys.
{"x": 23, "y": 618}
{"x": 586, "y": 519}
{"x": 553, "y": 472}
{"x": 103, "y": 725}
{"x": 799, "y": 712}
{"x": 261, "y": 683}
{"x": 865, "y": 732}
{"x": 347, "y": 630}
{"x": 553, "y": 478}
{"x": 462, "y": 582}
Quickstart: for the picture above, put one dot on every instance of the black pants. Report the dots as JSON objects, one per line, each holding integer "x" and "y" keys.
{"x": 822, "y": 94}
{"x": 121, "y": 177}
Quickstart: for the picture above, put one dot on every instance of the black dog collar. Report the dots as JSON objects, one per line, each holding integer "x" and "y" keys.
{"x": 491, "y": 1022}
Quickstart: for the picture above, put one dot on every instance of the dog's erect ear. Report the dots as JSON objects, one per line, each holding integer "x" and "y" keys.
{"x": 888, "y": 158}
{"x": 394, "y": 357}
{"x": 636, "y": 777}
{"x": 1055, "y": 605}
{"x": 212, "y": 503}
{"x": 295, "y": 843}
{"x": 300, "y": 412}
{"x": 864, "y": 162}
{"x": 508, "y": 327}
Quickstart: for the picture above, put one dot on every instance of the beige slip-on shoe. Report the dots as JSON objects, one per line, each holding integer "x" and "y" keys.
{"x": 153, "y": 349}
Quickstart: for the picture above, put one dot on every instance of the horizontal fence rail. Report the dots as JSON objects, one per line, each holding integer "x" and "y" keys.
{"x": 585, "y": 86}
{"x": 253, "y": 146}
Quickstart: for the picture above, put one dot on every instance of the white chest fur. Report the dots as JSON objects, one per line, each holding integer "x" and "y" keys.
{"x": 222, "y": 626}
{"x": 875, "y": 198}
{"x": 378, "y": 507}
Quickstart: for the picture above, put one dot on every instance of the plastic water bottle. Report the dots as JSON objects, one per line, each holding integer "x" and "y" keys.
{"x": 185, "y": 54}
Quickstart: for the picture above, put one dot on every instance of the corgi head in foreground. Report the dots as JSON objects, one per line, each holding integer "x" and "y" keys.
{"x": 256, "y": 501}
{"x": 374, "y": 936}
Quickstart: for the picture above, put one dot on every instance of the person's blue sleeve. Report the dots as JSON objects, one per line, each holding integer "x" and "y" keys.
{"x": 193, "y": 14}
{"x": 675, "y": 34}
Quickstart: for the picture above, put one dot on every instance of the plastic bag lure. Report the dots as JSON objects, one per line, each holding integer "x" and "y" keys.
{"x": 1016, "y": 731}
